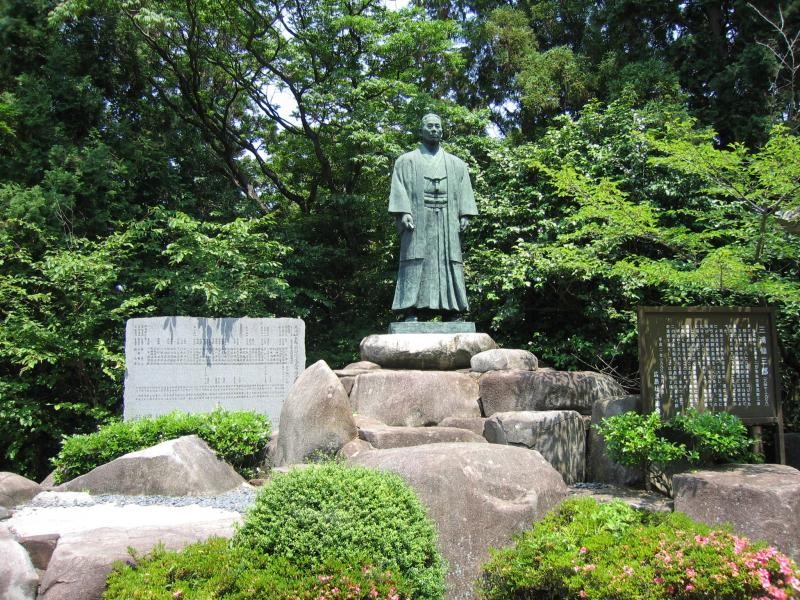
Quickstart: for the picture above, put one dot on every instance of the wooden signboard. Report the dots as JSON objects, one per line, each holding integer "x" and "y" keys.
{"x": 711, "y": 358}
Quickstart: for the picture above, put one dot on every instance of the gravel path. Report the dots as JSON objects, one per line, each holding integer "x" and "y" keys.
{"x": 238, "y": 500}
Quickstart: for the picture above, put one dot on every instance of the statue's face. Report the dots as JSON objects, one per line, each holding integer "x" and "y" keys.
{"x": 431, "y": 129}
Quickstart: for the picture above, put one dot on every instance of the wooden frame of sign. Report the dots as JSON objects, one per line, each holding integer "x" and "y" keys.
{"x": 712, "y": 358}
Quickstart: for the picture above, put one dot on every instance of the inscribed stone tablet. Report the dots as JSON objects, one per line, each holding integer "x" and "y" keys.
{"x": 196, "y": 364}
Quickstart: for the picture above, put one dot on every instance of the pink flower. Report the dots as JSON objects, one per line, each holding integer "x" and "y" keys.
{"x": 589, "y": 567}
{"x": 658, "y": 580}
{"x": 582, "y": 594}
{"x": 739, "y": 544}
{"x": 324, "y": 578}
{"x": 627, "y": 570}
{"x": 701, "y": 540}
{"x": 373, "y": 593}
{"x": 689, "y": 587}
{"x": 691, "y": 573}
{"x": 583, "y": 550}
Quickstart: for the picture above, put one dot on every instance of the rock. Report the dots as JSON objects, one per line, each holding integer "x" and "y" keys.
{"x": 92, "y": 538}
{"x": 347, "y": 382}
{"x": 398, "y": 437}
{"x": 599, "y": 466}
{"x": 40, "y": 548}
{"x": 182, "y": 467}
{"x": 504, "y": 391}
{"x": 759, "y": 501}
{"x": 316, "y": 417}
{"x": 479, "y": 495}
{"x": 354, "y": 447}
{"x": 18, "y": 577}
{"x": 364, "y": 421}
{"x": 64, "y": 499}
{"x": 49, "y": 481}
{"x": 439, "y": 351}
{"x": 16, "y": 489}
{"x": 792, "y": 443}
{"x": 362, "y": 365}
{"x": 473, "y": 424}
{"x": 502, "y": 359}
{"x": 558, "y": 435}
{"x": 415, "y": 398}
{"x": 4, "y": 513}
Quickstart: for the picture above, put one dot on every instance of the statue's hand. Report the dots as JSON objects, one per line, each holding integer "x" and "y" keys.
{"x": 463, "y": 224}
{"x": 408, "y": 221}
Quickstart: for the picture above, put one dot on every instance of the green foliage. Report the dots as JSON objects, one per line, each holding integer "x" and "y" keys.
{"x": 357, "y": 515}
{"x": 644, "y": 441}
{"x": 595, "y": 219}
{"x": 603, "y": 551}
{"x": 214, "y": 569}
{"x": 239, "y": 438}
{"x": 64, "y": 309}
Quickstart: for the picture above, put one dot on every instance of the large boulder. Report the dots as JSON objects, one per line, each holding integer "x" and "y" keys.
{"x": 504, "y": 359}
{"x": 504, "y": 391}
{"x": 93, "y": 537}
{"x": 439, "y": 351}
{"x": 18, "y": 577}
{"x": 558, "y": 435}
{"x": 16, "y": 489}
{"x": 185, "y": 466}
{"x": 383, "y": 437}
{"x": 479, "y": 496}
{"x": 599, "y": 465}
{"x": 415, "y": 398}
{"x": 315, "y": 418}
{"x": 760, "y": 501}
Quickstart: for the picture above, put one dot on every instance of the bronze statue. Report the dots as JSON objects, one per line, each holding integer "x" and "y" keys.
{"x": 432, "y": 200}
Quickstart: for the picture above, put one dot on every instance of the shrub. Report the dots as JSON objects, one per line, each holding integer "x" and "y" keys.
{"x": 602, "y": 551}
{"x": 215, "y": 569}
{"x": 645, "y": 441}
{"x": 360, "y": 516}
{"x": 239, "y": 438}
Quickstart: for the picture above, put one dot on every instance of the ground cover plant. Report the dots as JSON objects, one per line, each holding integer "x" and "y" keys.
{"x": 215, "y": 569}
{"x": 690, "y": 438}
{"x": 325, "y": 531}
{"x": 585, "y": 549}
{"x": 239, "y": 438}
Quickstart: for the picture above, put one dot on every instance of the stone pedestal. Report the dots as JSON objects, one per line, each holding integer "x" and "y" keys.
{"x": 439, "y": 351}
{"x": 432, "y": 327}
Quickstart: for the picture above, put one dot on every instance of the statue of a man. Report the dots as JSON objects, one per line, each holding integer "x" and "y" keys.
{"x": 432, "y": 200}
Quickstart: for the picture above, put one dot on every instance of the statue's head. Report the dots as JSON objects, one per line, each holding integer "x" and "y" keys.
{"x": 430, "y": 128}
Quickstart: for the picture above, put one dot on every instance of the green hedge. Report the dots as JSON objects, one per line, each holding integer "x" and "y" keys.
{"x": 239, "y": 438}
{"x": 611, "y": 551}
{"x": 357, "y": 515}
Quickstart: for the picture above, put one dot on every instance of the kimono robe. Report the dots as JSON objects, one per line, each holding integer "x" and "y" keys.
{"x": 431, "y": 273}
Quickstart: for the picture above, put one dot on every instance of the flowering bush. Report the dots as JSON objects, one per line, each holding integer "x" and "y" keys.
{"x": 605, "y": 551}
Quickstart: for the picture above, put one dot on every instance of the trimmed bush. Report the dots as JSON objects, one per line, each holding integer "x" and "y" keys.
{"x": 239, "y": 438}
{"x": 610, "y": 551}
{"x": 215, "y": 569}
{"x": 313, "y": 515}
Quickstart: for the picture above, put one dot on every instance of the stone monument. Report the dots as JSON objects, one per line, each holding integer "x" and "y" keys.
{"x": 196, "y": 364}
{"x": 431, "y": 199}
